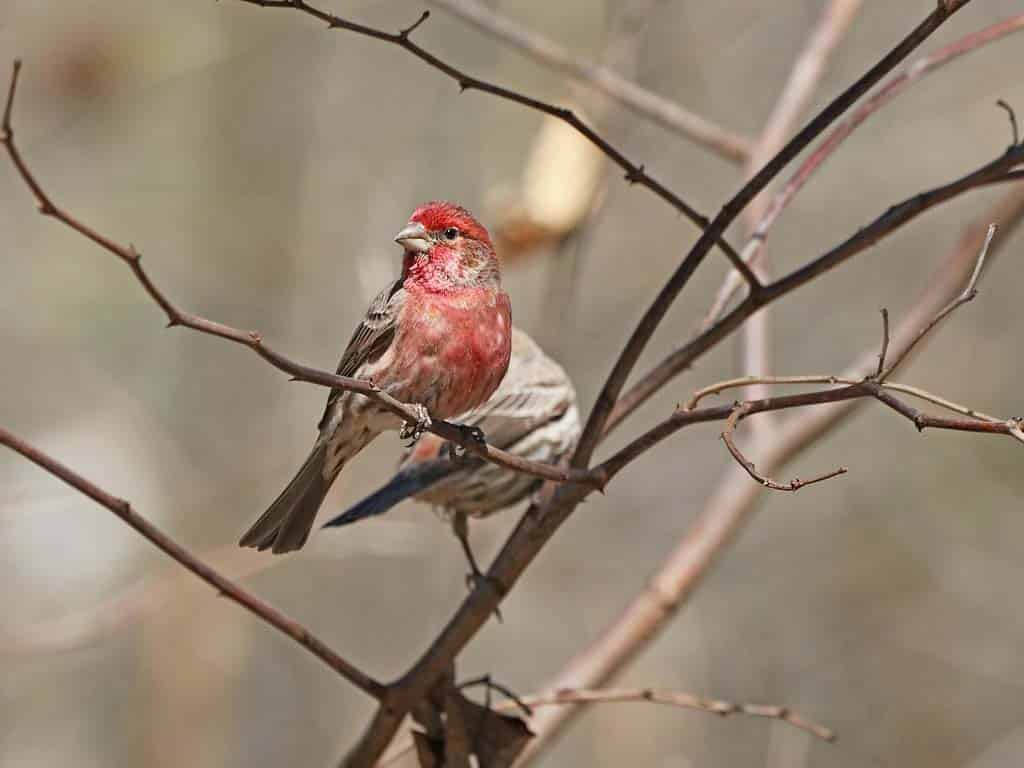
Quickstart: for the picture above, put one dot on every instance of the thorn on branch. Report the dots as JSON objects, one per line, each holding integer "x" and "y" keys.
{"x": 255, "y": 338}
{"x": 404, "y": 34}
{"x": 1013, "y": 121}
{"x": 635, "y": 175}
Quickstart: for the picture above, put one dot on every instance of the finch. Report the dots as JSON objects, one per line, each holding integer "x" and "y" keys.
{"x": 439, "y": 337}
{"x": 532, "y": 414}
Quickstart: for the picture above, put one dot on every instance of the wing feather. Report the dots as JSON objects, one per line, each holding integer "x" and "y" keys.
{"x": 371, "y": 338}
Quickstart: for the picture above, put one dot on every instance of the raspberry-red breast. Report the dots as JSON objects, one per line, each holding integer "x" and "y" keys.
{"x": 440, "y": 336}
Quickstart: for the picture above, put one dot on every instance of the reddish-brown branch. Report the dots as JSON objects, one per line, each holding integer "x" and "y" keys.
{"x": 588, "y": 696}
{"x": 895, "y": 86}
{"x": 738, "y": 413}
{"x": 808, "y": 69}
{"x": 223, "y": 585}
{"x": 732, "y": 503}
{"x": 636, "y": 98}
{"x": 634, "y": 173}
{"x": 999, "y": 171}
{"x": 968, "y": 294}
{"x": 251, "y": 339}
{"x": 609, "y": 395}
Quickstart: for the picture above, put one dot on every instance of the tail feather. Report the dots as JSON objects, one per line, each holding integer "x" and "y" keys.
{"x": 408, "y": 482}
{"x": 285, "y": 525}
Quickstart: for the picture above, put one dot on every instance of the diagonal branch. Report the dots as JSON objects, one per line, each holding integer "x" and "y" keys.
{"x": 636, "y": 98}
{"x": 251, "y": 339}
{"x": 896, "y": 85}
{"x": 634, "y": 173}
{"x": 808, "y": 69}
{"x": 968, "y": 294}
{"x": 606, "y": 400}
{"x": 223, "y": 585}
{"x": 731, "y": 505}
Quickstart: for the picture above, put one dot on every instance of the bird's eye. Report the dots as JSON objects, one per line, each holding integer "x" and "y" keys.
{"x": 451, "y": 233}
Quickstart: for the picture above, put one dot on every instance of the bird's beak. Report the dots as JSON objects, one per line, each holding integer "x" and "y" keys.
{"x": 413, "y": 238}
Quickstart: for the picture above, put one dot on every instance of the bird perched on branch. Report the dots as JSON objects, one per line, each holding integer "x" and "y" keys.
{"x": 532, "y": 414}
{"x": 438, "y": 337}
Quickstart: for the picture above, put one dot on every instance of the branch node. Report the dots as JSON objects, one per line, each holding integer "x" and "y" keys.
{"x": 255, "y": 339}
{"x": 635, "y": 175}
{"x": 404, "y": 33}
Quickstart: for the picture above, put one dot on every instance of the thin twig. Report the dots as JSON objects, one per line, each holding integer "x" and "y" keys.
{"x": 999, "y": 171}
{"x": 635, "y": 173}
{"x": 808, "y": 69}
{"x": 885, "y": 343}
{"x": 556, "y": 504}
{"x": 678, "y": 699}
{"x": 968, "y": 294}
{"x": 641, "y": 101}
{"x": 253, "y": 340}
{"x": 606, "y": 400}
{"x": 1014, "y": 130}
{"x": 223, "y": 585}
{"x": 754, "y": 247}
{"x": 741, "y": 410}
{"x": 906, "y": 389}
{"x": 732, "y": 503}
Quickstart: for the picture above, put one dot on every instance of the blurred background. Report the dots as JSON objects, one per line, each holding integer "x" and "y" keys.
{"x": 262, "y": 165}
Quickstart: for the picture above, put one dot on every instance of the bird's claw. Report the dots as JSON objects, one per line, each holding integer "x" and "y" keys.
{"x": 412, "y": 431}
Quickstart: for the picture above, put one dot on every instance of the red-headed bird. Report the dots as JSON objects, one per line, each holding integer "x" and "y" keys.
{"x": 439, "y": 337}
{"x": 532, "y": 414}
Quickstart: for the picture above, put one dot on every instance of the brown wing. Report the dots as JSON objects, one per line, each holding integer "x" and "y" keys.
{"x": 371, "y": 337}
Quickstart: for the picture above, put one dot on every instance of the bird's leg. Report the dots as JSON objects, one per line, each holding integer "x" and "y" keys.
{"x": 460, "y": 526}
{"x": 412, "y": 431}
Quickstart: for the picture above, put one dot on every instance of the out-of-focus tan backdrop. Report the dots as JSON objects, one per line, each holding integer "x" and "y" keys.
{"x": 262, "y": 165}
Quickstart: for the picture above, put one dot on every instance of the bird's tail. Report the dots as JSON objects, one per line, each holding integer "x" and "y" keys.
{"x": 285, "y": 525}
{"x": 407, "y": 482}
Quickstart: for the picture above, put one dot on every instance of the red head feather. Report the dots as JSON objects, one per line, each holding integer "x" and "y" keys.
{"x": 439, "y": 215}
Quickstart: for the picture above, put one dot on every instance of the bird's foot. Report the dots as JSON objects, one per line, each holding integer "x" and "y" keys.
{"x": 469, "y": 434}
{"x": 412, "y": 431}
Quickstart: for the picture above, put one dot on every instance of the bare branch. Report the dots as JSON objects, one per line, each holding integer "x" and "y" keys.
{"x": 606, "y": 400}
{"x": 731, "y": 505}
{"x": 679, "y": 699}
{"x": 253, "y": 340}
{"x": 968, "y": 294}
{"x": 223, "y": 585}
{"x": 998, "y": 171}
{"x": 634, "y": 173}
{"x": 743, "y": 381}
{"x": 807, "y": 71}
{"x": 739, "y": 411}
{"x": 885, "y": 342}
{"x": 896, "y": 85}
{"x": 639, "y": 100}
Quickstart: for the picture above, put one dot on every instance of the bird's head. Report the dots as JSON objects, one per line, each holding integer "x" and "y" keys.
{"x": 447, "y": 249}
